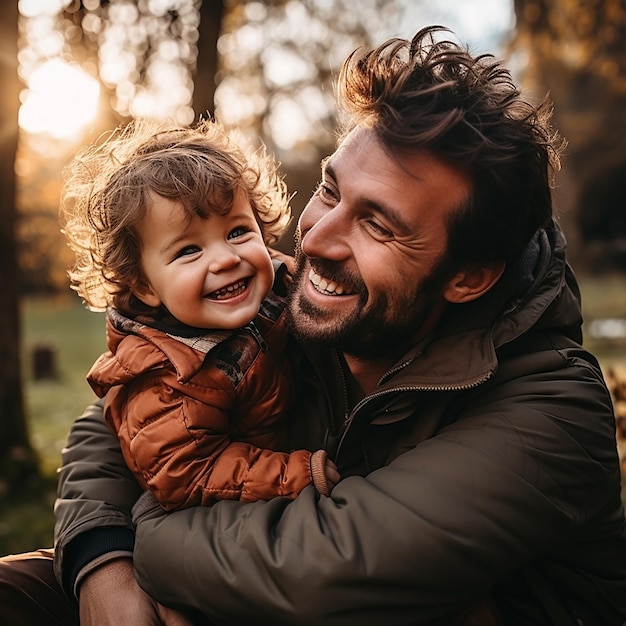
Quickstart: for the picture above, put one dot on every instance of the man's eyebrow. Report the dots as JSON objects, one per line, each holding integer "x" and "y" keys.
{"x": 391, "y": 214}
{"x": 326, "y": 166}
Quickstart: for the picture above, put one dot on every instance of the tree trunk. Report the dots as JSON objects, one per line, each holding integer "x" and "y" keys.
{"x": 577, "y": 52}
{"x": 211, "y": 13}
{"x": 16, "y": 457}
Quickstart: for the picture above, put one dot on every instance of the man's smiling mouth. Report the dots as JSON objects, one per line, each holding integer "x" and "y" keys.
{"x": 326, "y": 286}
{"x": 230, "y": 291}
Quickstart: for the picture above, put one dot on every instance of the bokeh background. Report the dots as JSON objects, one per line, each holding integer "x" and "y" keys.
{"x": 72, "y": 70}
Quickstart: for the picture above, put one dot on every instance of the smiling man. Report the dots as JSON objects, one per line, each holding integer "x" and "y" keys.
{"x": 444, "y": 373}
{"x": 371, "y": 259}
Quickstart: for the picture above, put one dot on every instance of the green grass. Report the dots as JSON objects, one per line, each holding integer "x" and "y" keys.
{"x": 604, "y": 298}
{"x": 77, "y": 337}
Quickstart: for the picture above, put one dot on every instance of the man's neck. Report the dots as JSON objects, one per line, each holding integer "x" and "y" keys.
{"x": 365, "y": 374}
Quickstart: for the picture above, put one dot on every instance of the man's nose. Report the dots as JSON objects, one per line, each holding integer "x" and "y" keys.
{"x": 325, "y": 233}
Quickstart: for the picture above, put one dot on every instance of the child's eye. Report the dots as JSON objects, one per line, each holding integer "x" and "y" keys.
{"x": 239, "y": 231}
{"x": 187, "y": 251}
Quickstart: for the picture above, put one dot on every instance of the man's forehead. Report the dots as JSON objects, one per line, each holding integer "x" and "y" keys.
{"x": 363, "y": 152}
{"x": 356, "y": 144}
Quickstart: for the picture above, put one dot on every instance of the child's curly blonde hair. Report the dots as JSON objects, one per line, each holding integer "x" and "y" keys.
{"x": 107, "y": 188}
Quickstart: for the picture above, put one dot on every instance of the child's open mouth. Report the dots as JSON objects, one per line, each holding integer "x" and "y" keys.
{"x": 230, "y": 291}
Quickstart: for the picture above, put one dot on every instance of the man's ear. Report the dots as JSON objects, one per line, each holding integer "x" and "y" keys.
{"x": 472, "y": 283}
{"x": 145, "y": 293}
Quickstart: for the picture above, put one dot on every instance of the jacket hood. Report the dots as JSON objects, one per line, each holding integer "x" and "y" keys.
{"x": 539, "y": 291}
{"x": 136, "y": 347}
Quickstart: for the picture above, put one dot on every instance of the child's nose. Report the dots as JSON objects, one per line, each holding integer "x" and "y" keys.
{"x": 225, "y": 260}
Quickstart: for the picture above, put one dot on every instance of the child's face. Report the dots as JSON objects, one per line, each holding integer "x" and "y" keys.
{"x": 209, "y": 273}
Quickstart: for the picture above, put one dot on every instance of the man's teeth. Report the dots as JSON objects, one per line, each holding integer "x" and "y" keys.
{"x": 324, "y": 285}
{"x": 229, "y": 291}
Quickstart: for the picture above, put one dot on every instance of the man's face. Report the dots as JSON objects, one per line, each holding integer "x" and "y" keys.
{"x": 371, "y": 243}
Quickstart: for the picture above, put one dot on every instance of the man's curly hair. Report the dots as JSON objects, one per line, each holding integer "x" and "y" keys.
{"x": 108, "y": 186}
{"x": 431, "y": 94}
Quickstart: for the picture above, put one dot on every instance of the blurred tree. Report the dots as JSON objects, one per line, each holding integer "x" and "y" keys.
{"x": 277, "y": 64}
{"x": 43, "y": 255}
{"x": 205, "y": 75}
{"x": 143, "y": 52}
{"x": 577, "y": 51}
{"x": 16, "y": 456}
{"x": 80, "y": 24}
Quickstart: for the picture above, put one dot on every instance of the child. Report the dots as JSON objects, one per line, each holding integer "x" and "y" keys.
{"x": 169, "y": 226}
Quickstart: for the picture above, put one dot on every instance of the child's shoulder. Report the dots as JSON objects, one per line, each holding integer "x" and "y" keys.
{"x": 273, "y": 306}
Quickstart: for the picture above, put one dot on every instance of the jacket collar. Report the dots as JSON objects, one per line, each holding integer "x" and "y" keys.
{"x": 539, "y": 290}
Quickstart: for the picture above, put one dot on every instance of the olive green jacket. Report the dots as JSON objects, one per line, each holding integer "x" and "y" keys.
{"x": 484, "y": 466}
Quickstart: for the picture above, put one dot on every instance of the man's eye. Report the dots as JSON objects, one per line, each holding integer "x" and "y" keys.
{"x": 379, "y": 230}
{"x": 327, "y": 191}
{"x": 240, "y": 231}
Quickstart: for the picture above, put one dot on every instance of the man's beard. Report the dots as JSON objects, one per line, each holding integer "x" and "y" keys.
{"x": 381, "y": 328}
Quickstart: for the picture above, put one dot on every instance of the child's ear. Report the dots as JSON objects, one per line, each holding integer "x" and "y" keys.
{"x": 145, "y": 293}
{"x": 472, "y": 283}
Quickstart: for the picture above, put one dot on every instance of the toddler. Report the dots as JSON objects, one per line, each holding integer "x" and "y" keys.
{"x": 170, "y": 227}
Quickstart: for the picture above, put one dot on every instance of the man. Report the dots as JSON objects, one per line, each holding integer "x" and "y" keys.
{"x": 445, "y": 376}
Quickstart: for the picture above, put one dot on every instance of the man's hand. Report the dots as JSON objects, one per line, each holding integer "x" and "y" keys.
{"x": 110, "y": 596}
{"x": 331, "y": 472}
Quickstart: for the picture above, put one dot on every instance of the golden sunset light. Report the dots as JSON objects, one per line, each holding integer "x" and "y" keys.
{"x": 61, "y": 100}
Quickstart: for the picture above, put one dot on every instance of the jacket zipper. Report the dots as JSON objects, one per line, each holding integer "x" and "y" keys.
{"x": 349, "y": 417}
{"x": 346, "y": 416}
